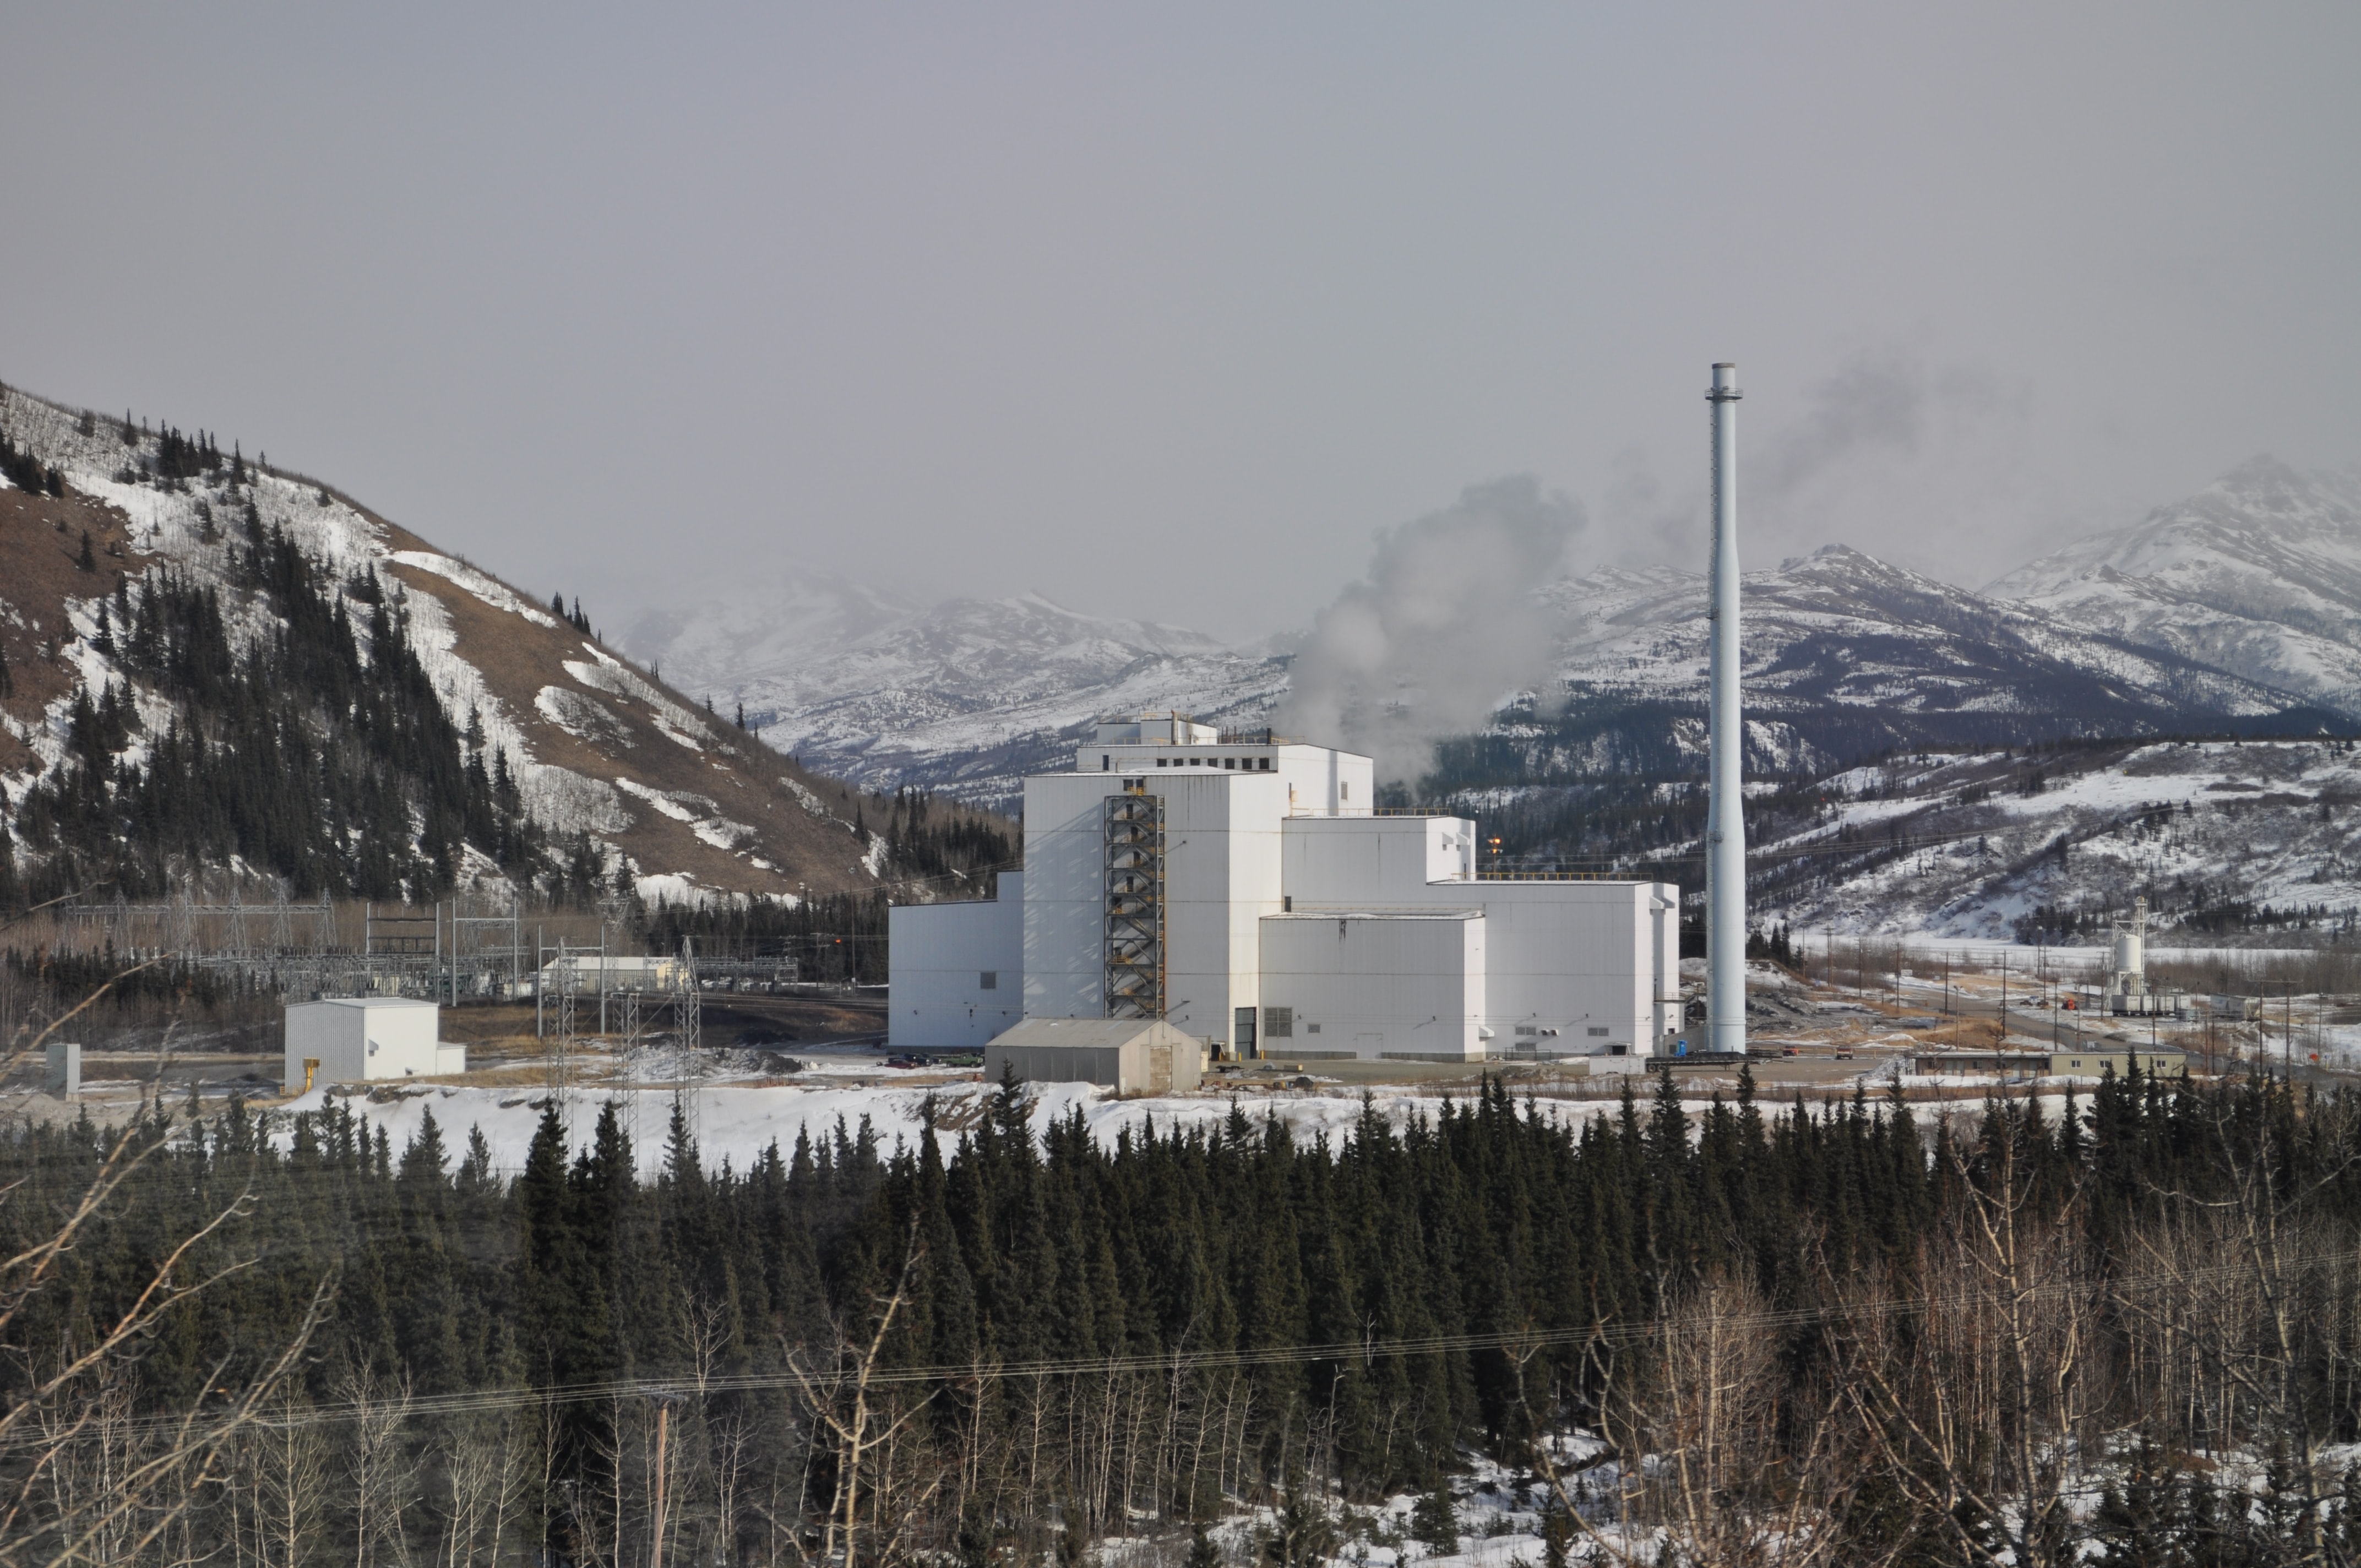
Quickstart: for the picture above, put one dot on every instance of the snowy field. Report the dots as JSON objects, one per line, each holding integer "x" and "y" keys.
{"x": 737, "y": 1122}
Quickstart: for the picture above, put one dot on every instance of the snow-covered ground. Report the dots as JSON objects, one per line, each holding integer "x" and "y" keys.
{"x": 2192, "y": 824}
{"x": 738, "y": 1120}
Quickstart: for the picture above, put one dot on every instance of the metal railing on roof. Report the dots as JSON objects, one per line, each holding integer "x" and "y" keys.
{"x": 1505, "y": 874}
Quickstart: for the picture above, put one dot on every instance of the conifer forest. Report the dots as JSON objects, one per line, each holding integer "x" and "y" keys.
{"x": 1869, "y": 1333}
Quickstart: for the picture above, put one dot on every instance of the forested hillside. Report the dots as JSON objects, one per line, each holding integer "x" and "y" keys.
{"x": 319, "y": 753}
{"x": 214, "y": 672}
{"x": 2055, "y": 1338}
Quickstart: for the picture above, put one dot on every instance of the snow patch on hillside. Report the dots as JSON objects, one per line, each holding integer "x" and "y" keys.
{"x": 807, "y": 800}
{"x": 706, "y": 821}
{"x": 562, "y": 797}
{"x": 492, "y": 592}
{"x": 582, "y": 716}
{"x": 661, "y": 800}
{"x": 609, "y": 675}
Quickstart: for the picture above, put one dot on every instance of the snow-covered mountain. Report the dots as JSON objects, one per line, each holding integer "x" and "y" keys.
{"x": 2259, "y": 574}
{"x": 770, "y": 632}
{"x": 566, "y": 743}
{"x": 1846, "y": 654}
{"x": 965, "y": 696}
{"x": 2233, "y": 611}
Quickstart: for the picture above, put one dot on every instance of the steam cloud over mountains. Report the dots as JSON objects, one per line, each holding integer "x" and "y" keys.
{"x": 1443, "y": 629}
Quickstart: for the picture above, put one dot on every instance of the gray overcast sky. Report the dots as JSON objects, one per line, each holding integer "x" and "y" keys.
{"x": 1165, "y": 309}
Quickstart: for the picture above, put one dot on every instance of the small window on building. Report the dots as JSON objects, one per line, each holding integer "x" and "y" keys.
{"x": 1529, "y": 1029}
{"x": 1161, "y": 762}
{"x": 987, "y": 980}
{"x": 1104, "y": 763}
{"x": 1263, "y": 764}
{"x": 1287, "y": 903}
{"x": 1312, "y": 1028}
{"x": 1597, "y": 1031}
{"x": 1279, "y": 1022}
{"x": 1344, "y": 791}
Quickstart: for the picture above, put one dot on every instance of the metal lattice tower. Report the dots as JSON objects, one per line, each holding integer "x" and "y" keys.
{"x": 561, "y": 1050}
{"x": 633, "y": 1039}
{"x": 1133, "y": 831}
{"x": 690, "y": 1012}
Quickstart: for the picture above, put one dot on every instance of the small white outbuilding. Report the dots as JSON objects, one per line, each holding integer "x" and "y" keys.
{"x": 353, "y": 1040}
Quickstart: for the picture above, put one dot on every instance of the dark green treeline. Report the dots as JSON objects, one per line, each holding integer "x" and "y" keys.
{"x": 1494, "y": 1217}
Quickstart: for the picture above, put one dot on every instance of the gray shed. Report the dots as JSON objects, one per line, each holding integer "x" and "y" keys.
{"x": 1131, "y": 1055}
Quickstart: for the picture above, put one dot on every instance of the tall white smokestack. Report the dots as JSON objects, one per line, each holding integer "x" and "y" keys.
{"x": 1725, "y": 853}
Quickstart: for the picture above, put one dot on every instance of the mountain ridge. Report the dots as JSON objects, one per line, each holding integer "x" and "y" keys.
{"x": 622, "y": 782}
{"x": 2259, "y": 574}
{"x": 1847, "y": 655}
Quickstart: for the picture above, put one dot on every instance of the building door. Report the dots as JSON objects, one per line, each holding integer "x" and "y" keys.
{"x": 1242, "y": 1032}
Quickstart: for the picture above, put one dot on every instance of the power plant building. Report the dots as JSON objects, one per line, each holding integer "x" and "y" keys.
{"x": 1245, "y": 889}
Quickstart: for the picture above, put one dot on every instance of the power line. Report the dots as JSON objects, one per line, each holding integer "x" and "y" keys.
{"x": 484, "y": 1401}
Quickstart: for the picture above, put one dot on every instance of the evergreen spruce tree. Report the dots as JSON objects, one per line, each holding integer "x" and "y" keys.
{"x": 1434, "y": 1520}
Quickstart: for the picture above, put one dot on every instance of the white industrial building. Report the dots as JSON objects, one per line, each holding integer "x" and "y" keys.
{"x": 592, "y": 972}
{"x": 357, "y": 1038}
{"x": 1243, "y": 889}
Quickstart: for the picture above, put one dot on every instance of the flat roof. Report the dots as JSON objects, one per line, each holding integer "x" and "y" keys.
{"x": 1377, "y": 915}
{"x": 365, "y": 1002}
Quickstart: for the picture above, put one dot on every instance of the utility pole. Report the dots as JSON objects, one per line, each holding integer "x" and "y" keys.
{"x": 664, "y": 1428}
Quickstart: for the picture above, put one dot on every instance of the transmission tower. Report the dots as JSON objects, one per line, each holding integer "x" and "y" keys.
{"x": 689, "y": 1048}
{"x": 560, "y": 1051}
{"x": 632, "y": 1040}
{"x": 182, "y": 924}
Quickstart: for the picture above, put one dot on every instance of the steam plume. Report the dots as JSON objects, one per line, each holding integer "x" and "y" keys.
{"x": 1445, "y": 628}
